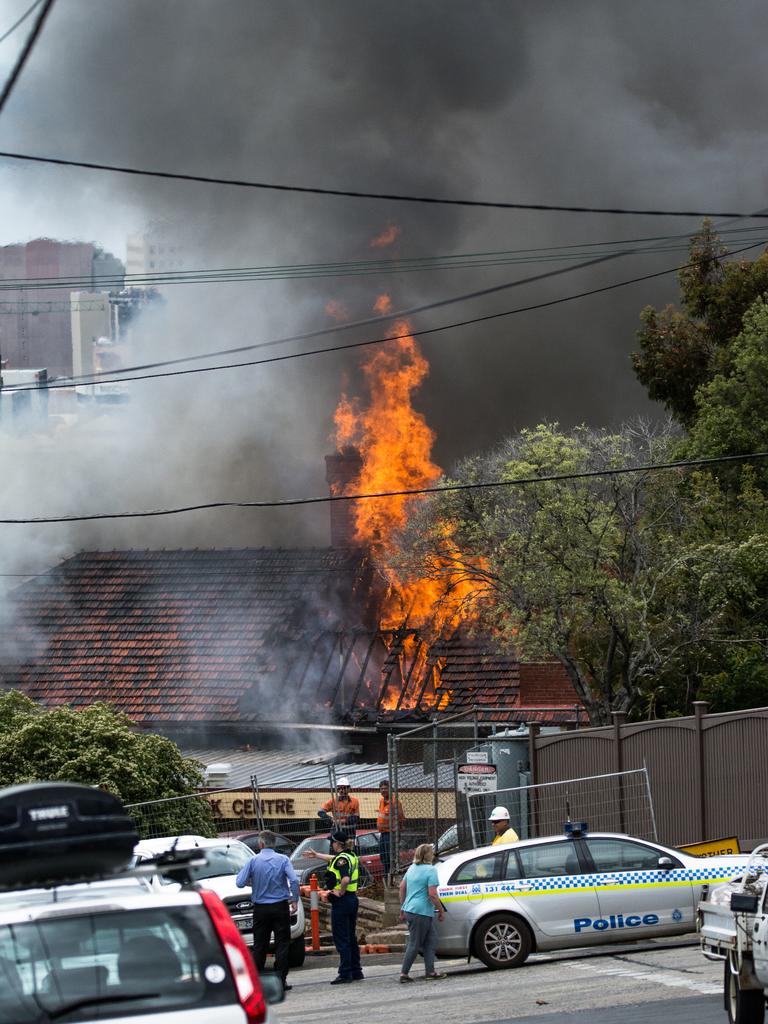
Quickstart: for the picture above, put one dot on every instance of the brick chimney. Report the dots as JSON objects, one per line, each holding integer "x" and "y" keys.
{"x": 341, "y": 471}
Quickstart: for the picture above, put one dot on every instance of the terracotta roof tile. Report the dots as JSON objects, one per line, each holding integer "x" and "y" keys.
{"x": 238, "y": 635}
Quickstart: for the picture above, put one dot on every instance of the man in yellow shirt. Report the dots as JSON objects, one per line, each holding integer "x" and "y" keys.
{"x": 504, "y": 834}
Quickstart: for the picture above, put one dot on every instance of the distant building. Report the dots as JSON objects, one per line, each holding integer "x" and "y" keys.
{"x": 35, "y": 318}
{"x": 152, "y": 252}
{"x": 90, "y": 326}
{"x": 22, "y": 409}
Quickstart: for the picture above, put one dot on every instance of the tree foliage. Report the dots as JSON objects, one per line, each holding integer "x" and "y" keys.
{"x": 683, "y": 350}
{"x": 630, "y": 580}
{"x": 100, "y": 747}
{"x": 732, "y": 409}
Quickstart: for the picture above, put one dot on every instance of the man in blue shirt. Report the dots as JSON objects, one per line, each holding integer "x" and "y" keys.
{"x": 275, "y": 895}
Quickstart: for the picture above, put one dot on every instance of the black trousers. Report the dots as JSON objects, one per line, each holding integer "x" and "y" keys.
{"x": 344, "y": 930}
{"x": 269, "y": 918}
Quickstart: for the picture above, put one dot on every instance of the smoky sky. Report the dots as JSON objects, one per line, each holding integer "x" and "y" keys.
{"x": 651, "y": 105}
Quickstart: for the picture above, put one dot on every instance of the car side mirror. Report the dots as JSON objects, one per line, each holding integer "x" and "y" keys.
{"x": 272, "y": 987}
{"x": 665, "y": 864}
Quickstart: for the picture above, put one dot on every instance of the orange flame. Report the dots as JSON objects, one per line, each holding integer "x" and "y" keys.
{"x": 395, "y": 443}
{"x": 383, "y": 305}
{"x": 390, "y": 233}
{"x": 337, "y": 310}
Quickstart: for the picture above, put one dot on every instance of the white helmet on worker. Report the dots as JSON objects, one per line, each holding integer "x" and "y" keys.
{"x": 343, "y": 781}
{"x": 499, "y": 814}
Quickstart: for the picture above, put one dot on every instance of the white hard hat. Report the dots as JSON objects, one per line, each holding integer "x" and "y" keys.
{"x": 499, "y": 814}
{"x": 343, "y": 781}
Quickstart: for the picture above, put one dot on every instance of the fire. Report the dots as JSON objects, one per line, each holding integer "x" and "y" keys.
{"x": 383, "y": 305}
{"x": 337, "y": 310}
{"x": 390, "y": 233}
{"x": 395, "y": 443}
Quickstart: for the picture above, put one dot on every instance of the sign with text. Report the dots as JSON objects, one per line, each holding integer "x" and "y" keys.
{"x": 476, "y": 778}
{"x": 302, "y": 804}
{"x": 713, "y": 847}
{"x": 477, "y": 757}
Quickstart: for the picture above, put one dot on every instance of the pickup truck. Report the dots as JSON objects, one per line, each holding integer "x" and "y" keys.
{"x": 733, "y": 926}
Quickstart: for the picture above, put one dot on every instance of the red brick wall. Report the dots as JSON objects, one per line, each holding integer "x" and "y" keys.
{"x": 544, "y": 684}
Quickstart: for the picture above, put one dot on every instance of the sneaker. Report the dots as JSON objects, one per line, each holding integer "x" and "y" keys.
{"x": 437, "y": 976}
{"x": 405, "y": 979}
{"x": 341, "y": 981}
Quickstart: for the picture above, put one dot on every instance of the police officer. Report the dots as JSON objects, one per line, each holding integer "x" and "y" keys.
{"x": 504, "y": 832}
{"x": 341, "y": 880}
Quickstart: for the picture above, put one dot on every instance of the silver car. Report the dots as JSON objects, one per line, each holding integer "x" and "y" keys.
{"x": 504, "y": 902}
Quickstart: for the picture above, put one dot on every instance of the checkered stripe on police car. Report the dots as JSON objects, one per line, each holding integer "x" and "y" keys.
{"x": 604, "y": 881}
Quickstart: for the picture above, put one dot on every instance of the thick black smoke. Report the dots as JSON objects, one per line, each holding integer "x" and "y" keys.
{"x": 650, "y": 105}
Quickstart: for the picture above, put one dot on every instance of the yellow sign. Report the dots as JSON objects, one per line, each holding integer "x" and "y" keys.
{"x": 713, "y": 847}
{"x": 299, "y": 803}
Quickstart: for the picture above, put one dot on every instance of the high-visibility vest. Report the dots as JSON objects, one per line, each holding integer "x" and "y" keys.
{"x": 510, "y": 836}
{"x": 382, "y": 818}
{"x": 354, "y": 867}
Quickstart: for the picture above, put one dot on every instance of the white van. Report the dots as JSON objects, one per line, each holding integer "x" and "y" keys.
{"x": 224, "y": 859}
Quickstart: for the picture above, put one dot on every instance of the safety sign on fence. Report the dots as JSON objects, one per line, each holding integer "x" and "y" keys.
{"x": 476, "y": 778}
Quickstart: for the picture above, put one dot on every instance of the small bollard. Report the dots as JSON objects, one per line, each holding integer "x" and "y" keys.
{"x": 314, "y": 912}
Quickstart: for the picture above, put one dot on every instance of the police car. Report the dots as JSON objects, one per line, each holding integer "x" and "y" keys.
{"x": 504, "y": 902}
{"x": 84, "y": 938}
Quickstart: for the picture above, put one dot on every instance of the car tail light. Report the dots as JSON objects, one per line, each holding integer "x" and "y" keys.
{"x": 243, "y": 968}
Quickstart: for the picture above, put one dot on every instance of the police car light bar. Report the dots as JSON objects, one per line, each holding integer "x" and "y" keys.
{"x": 575, "y": 829}
{"x": 54, "y": 833}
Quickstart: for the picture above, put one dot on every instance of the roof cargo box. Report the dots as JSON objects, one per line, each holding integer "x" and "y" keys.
{"x": 54, "y": 832}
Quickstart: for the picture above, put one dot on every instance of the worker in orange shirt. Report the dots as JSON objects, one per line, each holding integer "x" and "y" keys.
{"x": 343, "y": 810}
{"x": 383, "y": 823}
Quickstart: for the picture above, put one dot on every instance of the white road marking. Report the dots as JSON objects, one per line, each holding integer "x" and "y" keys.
{"x": 653, "y": 977}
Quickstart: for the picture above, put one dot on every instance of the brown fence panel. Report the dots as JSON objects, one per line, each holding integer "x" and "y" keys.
{"x": 566, "y": 755}
{"x": 708, "y": 773}
{"x": 669, "y": 755}
{"x": 736, "y": 777}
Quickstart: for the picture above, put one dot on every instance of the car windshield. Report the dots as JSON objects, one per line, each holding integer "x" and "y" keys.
{"x": 140, "y": 961}
{"x": 321, "y": 845}
{"x": 222, "y": 860}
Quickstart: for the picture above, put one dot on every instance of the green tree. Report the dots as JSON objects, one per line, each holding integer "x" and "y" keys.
{"x": 100, "y": 747}
{"x": 629, "y": 580}
{"x": 732, "y": 408}
{"x": 682, "y": 350}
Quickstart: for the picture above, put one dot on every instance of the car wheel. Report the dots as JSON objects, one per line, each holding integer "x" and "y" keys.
{"x": 297, "y": 952}
{"x": 743, "y": 1005}
{"x": 502, "y": 940}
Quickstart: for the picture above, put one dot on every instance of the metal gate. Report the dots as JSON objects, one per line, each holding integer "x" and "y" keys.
{"x": 615, "y": 802}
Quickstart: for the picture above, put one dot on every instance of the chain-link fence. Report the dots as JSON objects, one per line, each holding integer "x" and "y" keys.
{"x": 302, "y": 812}
{"x": 425, "y": 766}
{"x": 616, "y": 802}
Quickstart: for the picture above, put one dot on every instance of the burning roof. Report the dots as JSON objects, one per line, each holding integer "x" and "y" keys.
{"x": 175, "y": 638}
{"x": 263, "y": 635}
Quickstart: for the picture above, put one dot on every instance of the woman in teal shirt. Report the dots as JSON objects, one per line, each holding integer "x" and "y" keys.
{"x": 419, "y": 905}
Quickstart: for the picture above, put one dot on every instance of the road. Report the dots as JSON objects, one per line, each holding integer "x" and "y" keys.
{"x": 628, "y": 985}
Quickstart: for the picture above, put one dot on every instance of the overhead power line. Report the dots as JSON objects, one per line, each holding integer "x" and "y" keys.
{"x": 359, "y": 194}
{"x": 26, "y": 51}
{"x": 355, "y": 268}
{"x": 131, "y": 376}
{"x": 19, "y": 21}
{"x": 651, "y": 467}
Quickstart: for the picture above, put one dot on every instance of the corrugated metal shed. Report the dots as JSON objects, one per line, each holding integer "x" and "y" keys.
{"x": 300, "y": 770}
